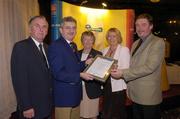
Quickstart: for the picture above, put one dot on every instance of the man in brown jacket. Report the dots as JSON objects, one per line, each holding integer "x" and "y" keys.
{"x": 144, "y": 74}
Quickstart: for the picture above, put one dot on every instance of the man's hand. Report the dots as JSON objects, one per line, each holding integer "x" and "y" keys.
{"x": 116, "y": 73}
{"x": 86, "y": 76}
{"x": 29, "y": 113}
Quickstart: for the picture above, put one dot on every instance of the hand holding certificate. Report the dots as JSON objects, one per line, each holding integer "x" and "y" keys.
{"x": 100, "y": 67}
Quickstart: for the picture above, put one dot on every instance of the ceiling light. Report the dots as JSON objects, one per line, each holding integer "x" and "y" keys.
{"x": 155, "y": 1}
{"x": 83, "y": 2}
{"x": 104, "y": 4}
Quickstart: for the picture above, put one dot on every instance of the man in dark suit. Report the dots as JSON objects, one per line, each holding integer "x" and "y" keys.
{"x": 66, "y": 68}
{"x": 30, "y": 72}
{"x": 144, "y": 74}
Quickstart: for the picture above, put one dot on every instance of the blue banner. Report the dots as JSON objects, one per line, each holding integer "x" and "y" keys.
{"x": 56, "y": 15}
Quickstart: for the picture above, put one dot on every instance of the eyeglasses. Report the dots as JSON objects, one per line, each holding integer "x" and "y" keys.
{"x": 69, "y": 27}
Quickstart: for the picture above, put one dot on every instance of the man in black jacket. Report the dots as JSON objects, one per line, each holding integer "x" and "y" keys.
{"x": 30, "y": 72}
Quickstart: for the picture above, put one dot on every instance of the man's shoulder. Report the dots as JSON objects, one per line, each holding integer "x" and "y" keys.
{"x": 158, "y": 40}
{"x": 58, "y": 41}
{"x": 22, "y": 43}
{"x": 58, "y": 44}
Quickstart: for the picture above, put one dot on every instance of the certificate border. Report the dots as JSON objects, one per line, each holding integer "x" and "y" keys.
{"x": 108, "y": 72}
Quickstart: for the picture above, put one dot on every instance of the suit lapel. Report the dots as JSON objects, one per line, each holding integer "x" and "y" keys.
{"x": 67, "y": 46}
{"x": 45, "y": 48}
{"x": 69, "y": 49}
{"x": 80, "y": 53}
{"x": 36, "y": 52}
{"x": 143, "y": 45}
{"x": 91, "y": 54}
{"x": 34, "y": 47}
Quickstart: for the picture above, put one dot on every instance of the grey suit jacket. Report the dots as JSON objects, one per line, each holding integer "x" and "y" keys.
{"x": 144, "y": 74}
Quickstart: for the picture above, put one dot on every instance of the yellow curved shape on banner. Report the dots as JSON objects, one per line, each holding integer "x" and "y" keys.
{"x": 99, "y": 18}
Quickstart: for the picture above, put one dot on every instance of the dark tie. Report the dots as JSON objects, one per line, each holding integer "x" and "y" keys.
{"x": 138, "y": 45}
{"x": 74, "y": 48}
{"x": 42, "y": 55}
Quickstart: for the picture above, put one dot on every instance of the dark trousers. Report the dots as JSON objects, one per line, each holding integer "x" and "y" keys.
{"x": 114, "y": 107}
{"x": 114, "y": 103}
{"x": 146, "y": 111}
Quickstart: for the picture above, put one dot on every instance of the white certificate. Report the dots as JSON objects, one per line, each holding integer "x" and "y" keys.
{"x": 100, "y": 67}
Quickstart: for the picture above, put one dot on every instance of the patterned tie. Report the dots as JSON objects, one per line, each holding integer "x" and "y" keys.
{"x": 42, "y": 55}
{"x": 74, "y": 48}
{"x": 138, "y": 45}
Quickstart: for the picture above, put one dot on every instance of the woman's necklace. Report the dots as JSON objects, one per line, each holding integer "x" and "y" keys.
{"x": 111, "y": 52}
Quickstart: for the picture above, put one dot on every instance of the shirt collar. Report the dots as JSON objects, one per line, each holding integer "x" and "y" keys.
{"x": 36, "y": 42}
{"x": 146, "y": 37}
{"x": 68, "y": 41}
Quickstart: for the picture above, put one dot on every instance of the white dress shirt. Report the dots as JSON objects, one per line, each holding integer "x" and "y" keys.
{"x": 37, "y": 44}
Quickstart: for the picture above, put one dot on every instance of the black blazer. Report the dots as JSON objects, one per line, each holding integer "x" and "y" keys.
{"x": 93, "y": 88}
{"x": 31, "y": 79}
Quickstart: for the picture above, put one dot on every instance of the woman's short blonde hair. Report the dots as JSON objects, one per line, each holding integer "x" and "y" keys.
{"x": 88, "y": 33}
{"x": 117, "y": 32}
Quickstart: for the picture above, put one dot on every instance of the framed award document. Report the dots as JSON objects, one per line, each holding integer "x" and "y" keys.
{"x": 100, "y": 67}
